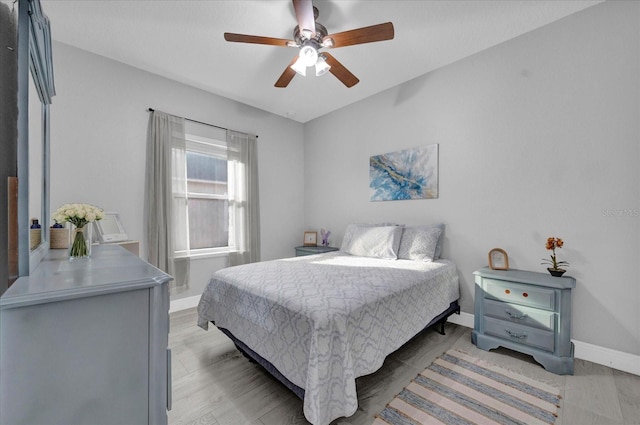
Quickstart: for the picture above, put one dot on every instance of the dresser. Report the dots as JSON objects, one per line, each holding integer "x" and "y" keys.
{"x": 310, "y": 250}
{"x": 86, "y": 342}
{"x": 527, "y": 312}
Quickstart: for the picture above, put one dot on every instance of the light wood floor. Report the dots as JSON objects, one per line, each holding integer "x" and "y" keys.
{"x": 213, "y": 384}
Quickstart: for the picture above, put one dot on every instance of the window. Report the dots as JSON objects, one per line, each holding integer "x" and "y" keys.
{"x": 202, "y": 204}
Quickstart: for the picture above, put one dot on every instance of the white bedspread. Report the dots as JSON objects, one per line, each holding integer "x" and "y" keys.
{"x": 324, "y": 320}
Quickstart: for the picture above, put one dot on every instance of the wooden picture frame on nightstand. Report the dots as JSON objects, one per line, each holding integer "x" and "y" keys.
{"x": 310, "y": 239}
{"x": 498, "y": 259}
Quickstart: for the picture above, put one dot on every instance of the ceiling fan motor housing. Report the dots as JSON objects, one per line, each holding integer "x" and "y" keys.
{"x": 315, "y": 40}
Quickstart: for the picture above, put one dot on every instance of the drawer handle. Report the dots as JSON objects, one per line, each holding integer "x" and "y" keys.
{"x": 515, "y": 334}
{"x": 506, "y": 291}
{"x": 515, "y": 316}
{"x": 524, "y": 294}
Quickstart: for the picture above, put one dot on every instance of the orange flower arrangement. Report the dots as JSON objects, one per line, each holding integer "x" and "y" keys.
{"x": 552, "y": 244}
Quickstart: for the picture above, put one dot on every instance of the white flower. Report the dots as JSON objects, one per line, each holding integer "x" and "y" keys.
{"x": 78, "y": 214}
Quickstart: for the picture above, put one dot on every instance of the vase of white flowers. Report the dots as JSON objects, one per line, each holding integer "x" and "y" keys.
{"x": 79, "y": 217}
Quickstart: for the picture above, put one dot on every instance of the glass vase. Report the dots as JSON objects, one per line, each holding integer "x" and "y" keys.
{"x": 80, "y": 241}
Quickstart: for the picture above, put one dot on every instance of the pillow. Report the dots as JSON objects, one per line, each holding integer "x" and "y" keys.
{"x": 372, "y": 241}
{"x": 351, "y": 228}
{"x": 438, "y": 252}
{"x": 349, "y": 231}
{"x": 420, "y": 243}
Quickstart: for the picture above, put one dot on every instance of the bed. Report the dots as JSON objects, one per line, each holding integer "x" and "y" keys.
{"x": 318, "y": 322}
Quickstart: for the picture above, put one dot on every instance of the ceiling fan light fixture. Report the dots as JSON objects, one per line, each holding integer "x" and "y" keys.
{"x": 322, "y": 66}
{"x": 308, "y": 55}
{"x": 300, "y": 67}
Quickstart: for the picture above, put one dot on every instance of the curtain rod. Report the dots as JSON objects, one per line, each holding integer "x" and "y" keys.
{"x": 199, "y": 122}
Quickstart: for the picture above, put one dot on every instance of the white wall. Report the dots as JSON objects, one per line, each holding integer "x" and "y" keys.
{"x": 98, "y": 140}
{"x": 538, "y": 137}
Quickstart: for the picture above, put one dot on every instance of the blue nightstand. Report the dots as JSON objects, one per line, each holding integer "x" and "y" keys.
{"x": 527, "y": 312}
{"x": 310, "y": 250}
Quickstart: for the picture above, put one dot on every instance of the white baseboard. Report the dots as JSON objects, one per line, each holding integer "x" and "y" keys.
{"x": 593, "y": 353}
{"x": 620, "y": 360}
{"x": 184, "y": 303}
{"x": 462, "y": 319}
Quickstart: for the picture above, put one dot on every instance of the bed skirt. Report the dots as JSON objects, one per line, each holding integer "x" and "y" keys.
{"x": 440, "y": 319}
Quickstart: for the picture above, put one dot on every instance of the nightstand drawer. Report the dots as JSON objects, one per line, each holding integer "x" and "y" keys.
{"x": 515, "y": 293}
{"x": 520, "y": 334}
{"x": 542, "y": 319}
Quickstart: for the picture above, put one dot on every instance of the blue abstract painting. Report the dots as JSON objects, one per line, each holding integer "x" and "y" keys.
{"x": 405, "y": 174}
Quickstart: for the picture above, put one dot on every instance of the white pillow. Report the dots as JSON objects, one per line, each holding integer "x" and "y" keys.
{"x": 420, "y": 243}
{"x": 372, "y": 241}
{"x": 349, "y": 232}
{"x": 438, "y": 253}
{"x": 351, "y": 228}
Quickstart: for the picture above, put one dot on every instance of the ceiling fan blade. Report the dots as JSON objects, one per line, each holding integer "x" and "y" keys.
{"x": 287, "y": 75}
{"x": 341, "y": 73}
{"x": 363, "y": 35}
{"x": 255, "y": 39}
{"x": 304, "y": 15}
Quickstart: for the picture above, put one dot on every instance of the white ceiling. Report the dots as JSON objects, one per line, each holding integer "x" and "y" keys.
{"x": 183, "y": 40}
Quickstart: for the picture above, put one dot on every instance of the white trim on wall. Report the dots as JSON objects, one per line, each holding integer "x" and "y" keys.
{"x": 462, "y": 319}
{"x": 184, "y": 303}
{"x": 625, "y": 362}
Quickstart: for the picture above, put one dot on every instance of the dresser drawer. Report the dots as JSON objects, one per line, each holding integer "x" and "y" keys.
{"x": 525, "y": 335}
{"x": 542, "y": 319}
{"x": 516, "y": 293}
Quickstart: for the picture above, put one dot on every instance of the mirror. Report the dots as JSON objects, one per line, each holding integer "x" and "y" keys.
{"x": 36, "y": 169}
{"x": 33, "y": 145}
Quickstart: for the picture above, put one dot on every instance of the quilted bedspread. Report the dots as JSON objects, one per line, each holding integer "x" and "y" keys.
{"x": 324, "y": 320}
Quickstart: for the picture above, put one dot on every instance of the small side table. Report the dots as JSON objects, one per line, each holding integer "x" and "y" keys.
{"x": 527, "y": 312}
{"x": 310, "y": 250}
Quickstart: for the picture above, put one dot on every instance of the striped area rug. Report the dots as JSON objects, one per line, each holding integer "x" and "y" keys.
{"x": 459, "y": 389}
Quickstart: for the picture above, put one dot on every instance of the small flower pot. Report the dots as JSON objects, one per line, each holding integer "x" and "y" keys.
{"x": 556, "y": 272}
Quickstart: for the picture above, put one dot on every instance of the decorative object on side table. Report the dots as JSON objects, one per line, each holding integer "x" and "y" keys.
{"x": 556, "y": 266}
{"x": 498, "y": 259}
{"x": 80, "y": 235}
{"x": 59, "y": 237}
{"x": 310, "y": 239}
{"x": 35, "y": 234}
{"x": 325, "y": 237}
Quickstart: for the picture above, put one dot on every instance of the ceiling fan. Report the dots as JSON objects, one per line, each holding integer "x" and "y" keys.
{"x": 309, "y": 36}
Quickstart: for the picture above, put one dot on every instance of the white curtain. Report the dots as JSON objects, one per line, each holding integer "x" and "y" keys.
{"x": 165, "y": 173}
{"x": 244, "y": 203}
